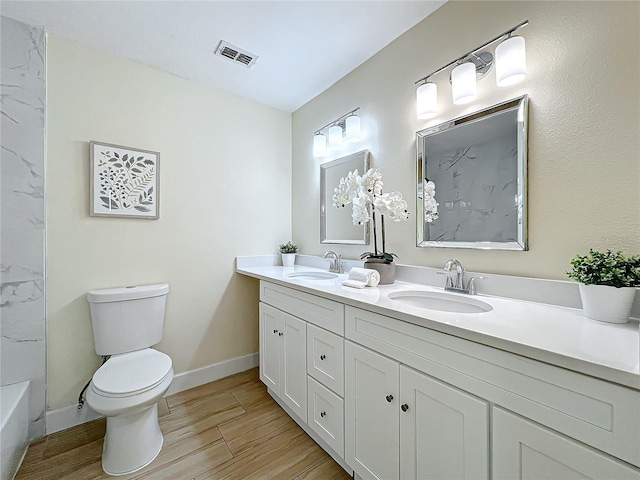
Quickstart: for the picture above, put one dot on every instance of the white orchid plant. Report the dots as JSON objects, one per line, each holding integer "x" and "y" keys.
{"x": 365, "y": 194}
{"x": 430, "y": 206}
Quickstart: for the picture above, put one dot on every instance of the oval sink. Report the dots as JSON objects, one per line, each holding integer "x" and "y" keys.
{"x": 444, "y": 302}
{"x": 313, "y": 275}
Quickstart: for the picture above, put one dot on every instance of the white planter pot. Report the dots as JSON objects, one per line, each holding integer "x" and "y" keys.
{"x": 288, "y": 259}
{"x": 607, "y": 304}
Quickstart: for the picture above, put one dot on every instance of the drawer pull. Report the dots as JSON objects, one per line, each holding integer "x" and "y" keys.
{"x": 322, "y": 357}
{"x": 389, "y": 398}
{"x": 323, "y": 414}
{"x": 404, "y": 407}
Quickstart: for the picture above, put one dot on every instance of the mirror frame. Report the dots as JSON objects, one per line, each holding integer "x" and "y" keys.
{"x": 363, "y": 159}
{"x": 519, "y": 105}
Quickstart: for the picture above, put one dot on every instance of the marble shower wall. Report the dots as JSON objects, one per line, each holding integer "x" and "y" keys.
{"x": 22, "y": 223}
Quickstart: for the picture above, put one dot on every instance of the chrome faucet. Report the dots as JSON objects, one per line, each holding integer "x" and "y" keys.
{"x": 458, "y": 284}
{"x": 335, "y": 265}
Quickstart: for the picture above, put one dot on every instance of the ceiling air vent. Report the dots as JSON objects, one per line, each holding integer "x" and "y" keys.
{"x": 235, "y": 54}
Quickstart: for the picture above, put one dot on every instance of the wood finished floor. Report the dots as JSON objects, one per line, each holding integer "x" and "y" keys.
{"x": 228, "y": 429}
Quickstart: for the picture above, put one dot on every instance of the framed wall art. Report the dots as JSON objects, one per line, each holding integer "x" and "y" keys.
{"x": 124, "y": 181}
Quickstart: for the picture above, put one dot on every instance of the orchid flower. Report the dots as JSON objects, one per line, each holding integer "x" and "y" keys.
{"x": 365, "y": 193}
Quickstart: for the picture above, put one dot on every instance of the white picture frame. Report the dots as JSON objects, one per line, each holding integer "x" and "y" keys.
{"x": 125, "y": 182}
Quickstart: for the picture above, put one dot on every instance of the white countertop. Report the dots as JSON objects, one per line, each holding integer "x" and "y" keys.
{"x": 557, "y": 335}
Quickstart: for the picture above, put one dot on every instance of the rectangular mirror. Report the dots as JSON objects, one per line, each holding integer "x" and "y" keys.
{"x": 336, "y": 225}
{"x": 479, "y": 166}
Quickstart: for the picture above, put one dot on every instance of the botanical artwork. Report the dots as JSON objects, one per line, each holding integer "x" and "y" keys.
{"x": 124, "y": 181}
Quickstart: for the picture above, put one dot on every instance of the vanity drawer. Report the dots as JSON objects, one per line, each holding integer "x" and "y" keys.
{"x": 325, "y": 358}
{"x": 325, "y": 415}
{"x": 596, "y": 412}
{"x": 320, "y": 311}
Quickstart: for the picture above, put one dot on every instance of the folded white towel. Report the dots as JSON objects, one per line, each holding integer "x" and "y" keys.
{"x": 370, "y": 277}
{"x": 354, "y": 284}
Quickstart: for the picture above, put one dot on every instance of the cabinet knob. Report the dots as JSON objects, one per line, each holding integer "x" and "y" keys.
{"x": 389, "y": 398}
{"x": 322, "y": 357}
{"x": 280, "y": 334}
{"x": 275, "y": 331}
{"x": 323, "y": 414}
{"x": 404, "y": 407}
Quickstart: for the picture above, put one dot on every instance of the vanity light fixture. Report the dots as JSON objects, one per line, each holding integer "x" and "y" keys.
{"x": 347, "y": 126}
{"x": 511, "y": 67}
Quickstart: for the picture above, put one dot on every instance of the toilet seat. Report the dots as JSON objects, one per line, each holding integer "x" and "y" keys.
{"x": 132, "y": 373}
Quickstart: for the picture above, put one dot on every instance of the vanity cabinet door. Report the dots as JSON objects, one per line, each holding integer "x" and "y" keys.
{"x": 294, "y": 364}
{"x": 526, "y": 450}
{"x": 283, "y": 357}
{"x": 371, "y": 413}
{"x": 444, "y": 432}
{"x": 270, "y": 347}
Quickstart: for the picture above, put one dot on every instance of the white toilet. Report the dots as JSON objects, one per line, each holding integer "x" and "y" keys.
{"x": 126, "y": 323}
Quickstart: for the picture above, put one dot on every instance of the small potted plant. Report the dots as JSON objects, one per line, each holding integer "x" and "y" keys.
{"x": 288, "y": 251}
{"x": 608, "y": 282}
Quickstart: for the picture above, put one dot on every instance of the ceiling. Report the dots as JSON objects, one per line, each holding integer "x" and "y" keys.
{"x": 303, "y": 47}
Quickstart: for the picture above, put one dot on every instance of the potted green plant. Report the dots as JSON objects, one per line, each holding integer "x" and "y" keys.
{"x": 365, "y": 193}
{"x": 608, "y": 282}
{"x": 288, "y": 252}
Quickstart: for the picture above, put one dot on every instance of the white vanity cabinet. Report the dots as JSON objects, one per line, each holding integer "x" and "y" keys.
{"x": 283, "y": 357}
{"x": 394, "y": 400}
{"x": 402, "y": 424}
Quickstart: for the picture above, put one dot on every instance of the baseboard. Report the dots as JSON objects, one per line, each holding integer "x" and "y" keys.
{"x": 70, "y": 416}
{"x": 210, "y": 373}
{"x": 67, "y": 417}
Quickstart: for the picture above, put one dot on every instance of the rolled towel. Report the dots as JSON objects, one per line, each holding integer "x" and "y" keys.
{"x": 354, "y": 284}
{"x": 370, "y": 277}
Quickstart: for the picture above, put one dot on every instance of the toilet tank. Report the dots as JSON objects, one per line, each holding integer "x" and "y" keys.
{"x": 128, "y": 318}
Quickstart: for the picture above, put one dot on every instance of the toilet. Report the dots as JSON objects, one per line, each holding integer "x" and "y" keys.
{"x": 127, "y": 322}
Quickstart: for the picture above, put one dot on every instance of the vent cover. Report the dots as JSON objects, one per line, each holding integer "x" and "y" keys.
{"x": 236, "y": 54}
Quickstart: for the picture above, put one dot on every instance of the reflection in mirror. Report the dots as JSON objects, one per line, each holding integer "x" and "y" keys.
{"x": 336, "y": 225}
{"x": 479, "y": 166}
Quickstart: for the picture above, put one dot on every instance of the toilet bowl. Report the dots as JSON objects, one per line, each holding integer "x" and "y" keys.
{"x": 126, "y": 390}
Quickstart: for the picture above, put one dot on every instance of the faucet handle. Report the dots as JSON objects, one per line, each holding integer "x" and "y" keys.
{"x": 449, "y": 282}
{"x": 471, "y": 284}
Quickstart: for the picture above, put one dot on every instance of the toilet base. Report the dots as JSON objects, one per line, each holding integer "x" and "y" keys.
{"x": 132, "y": 441}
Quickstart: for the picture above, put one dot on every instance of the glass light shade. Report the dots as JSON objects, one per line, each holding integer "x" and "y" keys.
{"x": 427, "y": 100}
{"x": 335, "y": 136}
{"x": 353, "y": 131}
{"x": 463, "y": 83}
{"x": 319, "y": 145}
{"x": 511, "y": 61}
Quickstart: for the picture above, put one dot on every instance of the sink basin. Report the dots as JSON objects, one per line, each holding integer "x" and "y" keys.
{"x": 313, "y": 275}
{"x": 444, "y": 302}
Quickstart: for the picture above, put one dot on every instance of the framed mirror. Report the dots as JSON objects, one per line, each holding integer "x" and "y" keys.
{"x": 336, "y": 225}
{"x": 479, "y": 166}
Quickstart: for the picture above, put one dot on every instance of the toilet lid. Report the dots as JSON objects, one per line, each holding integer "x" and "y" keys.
{"x": 132, "y": 372}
